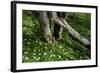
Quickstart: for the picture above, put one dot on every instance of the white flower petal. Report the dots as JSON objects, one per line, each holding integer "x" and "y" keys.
{"x": 45, "y": 53}
{"x": 26, "y": 58}
{"x": 45, "y": 47}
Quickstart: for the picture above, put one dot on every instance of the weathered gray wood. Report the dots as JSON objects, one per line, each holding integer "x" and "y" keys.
{"x": 44, "y": 22}
{"x": 74, "y": 33}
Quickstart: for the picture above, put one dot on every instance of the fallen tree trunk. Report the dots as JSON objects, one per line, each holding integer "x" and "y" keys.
{"x": 74, "y": 33}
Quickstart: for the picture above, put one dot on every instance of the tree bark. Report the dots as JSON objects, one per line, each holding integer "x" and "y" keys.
{"x": 44, "y": 23}
{"x": 61, "y": 22}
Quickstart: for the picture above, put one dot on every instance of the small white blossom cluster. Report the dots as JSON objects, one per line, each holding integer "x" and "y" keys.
{"x": 52, "y": 55}
{"x": 59, "y": 56}
{"x": 45, "y": 47}
{"x": 26, "y": 52}
{"x": 40, "y": 43}
{"x": 60, "y": 47}
{"x": 45, "y": 53}
{"x": 26, "y": 58}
